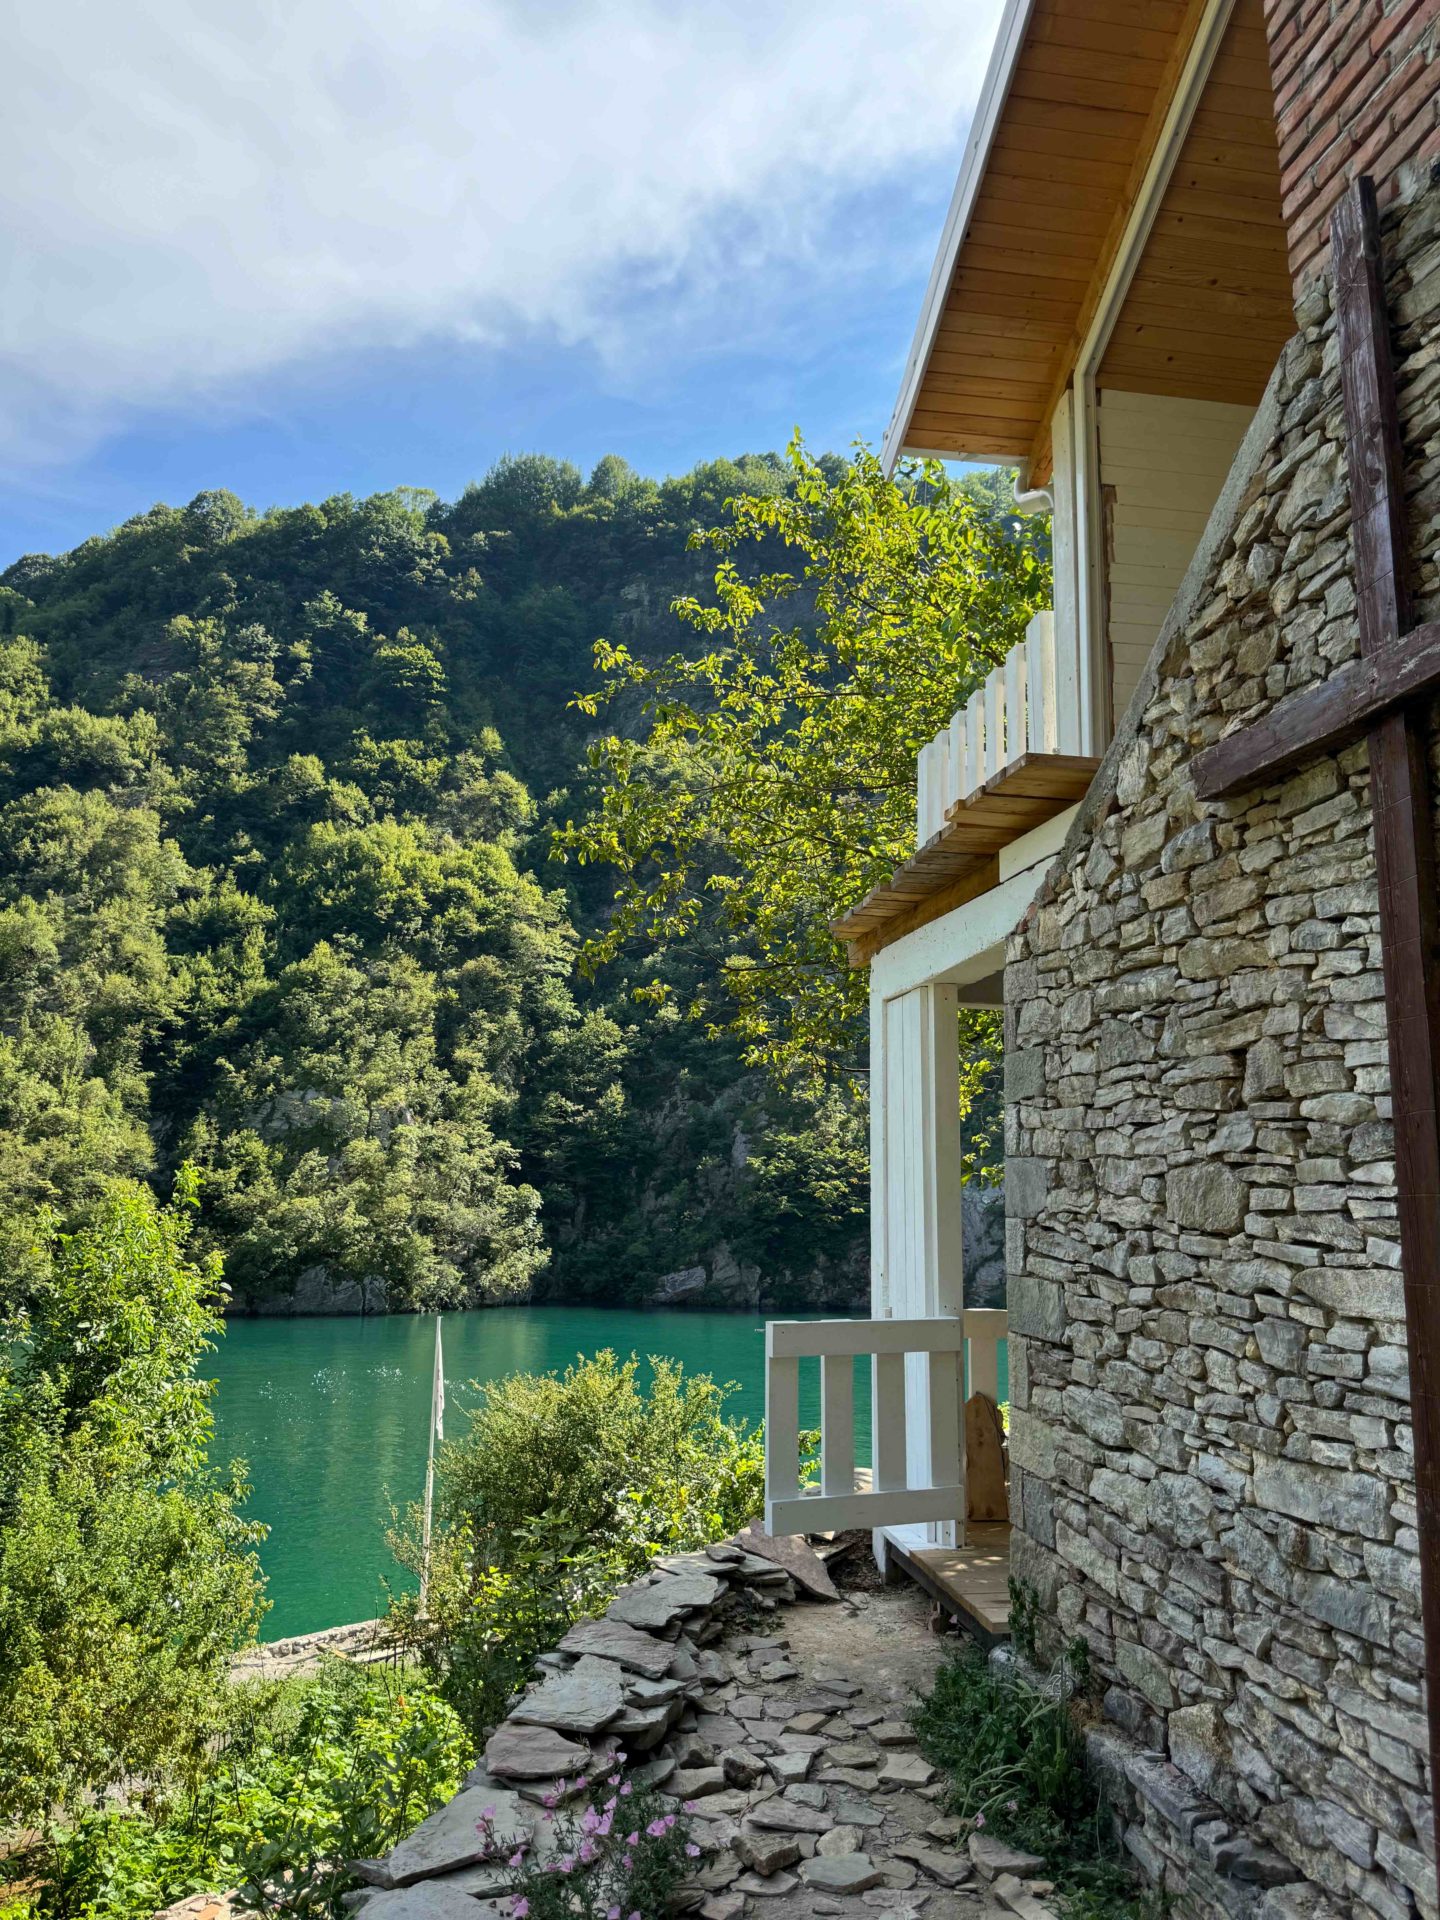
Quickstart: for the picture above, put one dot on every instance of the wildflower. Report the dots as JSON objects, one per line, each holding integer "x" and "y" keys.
{"x": 581, "y": 1783}
{"x": 687, "y": 1806}
{"x": 1012, "y": 1806}
{"x": 979, "y": 1820}
{"x": 656, "y": 1829}
{"x": 520, "y": 1907}
{"x": 692, "y": 1850}
{"x": 517, "y": 1859}
{"x": 626, "y": 1789}
{"x": 614, "y": 1781}
{"x": 632, "y": 1839}
{"x": 549, "y": 1799}
{"x": 588, "y": 1850}
{"x": 589, "y": 1820}
{"x": 612, "y": 1913}
{"x": 487, "y": 1816}
{"x": 567, "y": 1863}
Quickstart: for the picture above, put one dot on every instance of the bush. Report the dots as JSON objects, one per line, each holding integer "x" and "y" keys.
{"x": 1016, "y": 1760}
{"x": 562, "y": 1489}
{"x": 619, "y": 1850}
{"x": 310, "y": 1774}
{"x": 127, "y": 1578}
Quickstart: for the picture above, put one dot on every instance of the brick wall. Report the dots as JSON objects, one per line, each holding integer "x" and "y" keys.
{"x": 1357, "y": 90}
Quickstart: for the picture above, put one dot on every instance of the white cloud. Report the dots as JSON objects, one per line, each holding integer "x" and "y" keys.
{"x": 197, "y": 192}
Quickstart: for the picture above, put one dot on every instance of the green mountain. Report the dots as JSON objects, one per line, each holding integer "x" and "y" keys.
{"x": 276, "y": 898}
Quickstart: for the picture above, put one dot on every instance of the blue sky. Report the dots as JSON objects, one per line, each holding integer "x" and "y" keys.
{"x": 306, "y": 246}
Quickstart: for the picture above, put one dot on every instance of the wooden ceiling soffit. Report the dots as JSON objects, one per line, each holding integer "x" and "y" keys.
{"x": 961, "y": 861}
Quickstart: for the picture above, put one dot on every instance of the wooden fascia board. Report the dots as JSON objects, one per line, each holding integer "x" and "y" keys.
{"x": 994, "y": 92}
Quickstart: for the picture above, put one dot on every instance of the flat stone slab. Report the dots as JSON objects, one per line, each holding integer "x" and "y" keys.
{"x": 906, "y": 1770}
{"x": 789, "y": 1552}
{"x": 993, "y": 1857}
{"x": 1020, "y": 1900}
{"x": 766, "y": 1853}
{"x": 452, "y": 1838}
{"x": 775, "y": 1883}
{"x": 786, "y": 1816}
{"x": 666, "y": 1601}
{"x": 430, "y": 1900}
{"x": 950, "y": 1869}
{"x": 583, "y": 1700}
{"x": 515, "y": 1752}
{"x": 613, "y": 1640}
{"x": 841, "y": 1873}
{"x": 789, "y": 1768}
{"x": 893, "y": 1733}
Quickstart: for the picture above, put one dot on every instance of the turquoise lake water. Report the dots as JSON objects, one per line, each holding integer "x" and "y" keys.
{"x": 331, "y": 1416}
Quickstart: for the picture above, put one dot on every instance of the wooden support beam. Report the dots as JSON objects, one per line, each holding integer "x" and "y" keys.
{"x": 1323, "y": 718}
{"x": 1404, "y": 833}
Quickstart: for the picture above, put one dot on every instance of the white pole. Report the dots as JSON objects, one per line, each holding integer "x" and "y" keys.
{"x": 437, "y": 1432}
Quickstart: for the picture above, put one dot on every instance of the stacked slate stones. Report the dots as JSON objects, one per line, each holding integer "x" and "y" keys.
{"x": 808, "y": 1795}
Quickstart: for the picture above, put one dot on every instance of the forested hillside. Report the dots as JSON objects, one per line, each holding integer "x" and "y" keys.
{"x": 276, "y": 899}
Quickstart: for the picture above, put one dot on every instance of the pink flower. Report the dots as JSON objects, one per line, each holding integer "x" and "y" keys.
{"x": 487, "y": 1814}
{"x": 612, "y": 1913}
{"x": 567, "y": 1863}
{"x": 656, "y": 1829}
{"x": 520, "y": 1907}
{"x": 589, "y": 1820}
{"x": 692, "y": 1849}
{"x": 627, "y": 1788}
{"x": 614, "y": 1781}
{"x": 517, "y": 1859}
{"x": 979, "y": 1819}
{"x": 581, "y": 1783}
{"x": 687, "y": 1806}
{"x": 632, "y": 1839}
{"x": 549, "y": 1799}
{"x": 587, "y": 1851}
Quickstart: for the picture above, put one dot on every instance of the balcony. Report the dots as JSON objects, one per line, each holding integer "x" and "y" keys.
{"x": 1009, "y": 761}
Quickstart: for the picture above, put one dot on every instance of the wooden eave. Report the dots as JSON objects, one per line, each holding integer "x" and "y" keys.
{"x": 1073, "y": 116}
{"x": 961, "y": 861}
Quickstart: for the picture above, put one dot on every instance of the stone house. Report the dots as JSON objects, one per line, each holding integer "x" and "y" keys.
{"x": 1153, "y": 837}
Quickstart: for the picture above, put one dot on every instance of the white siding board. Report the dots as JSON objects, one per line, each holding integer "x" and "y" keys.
{"x": 1163, "y": 462}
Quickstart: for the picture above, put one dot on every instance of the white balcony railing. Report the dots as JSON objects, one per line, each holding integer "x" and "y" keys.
{"x": 898, "y": 1498}
{"x": 1029, "y": 704}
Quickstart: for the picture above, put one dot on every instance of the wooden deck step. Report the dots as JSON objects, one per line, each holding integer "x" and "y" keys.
{"x": 972, "y": 1581}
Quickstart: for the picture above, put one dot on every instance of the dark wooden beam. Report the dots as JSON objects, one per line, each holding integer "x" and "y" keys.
{"x": 1323, "y": 718}
{"x": 1404, "y": 834}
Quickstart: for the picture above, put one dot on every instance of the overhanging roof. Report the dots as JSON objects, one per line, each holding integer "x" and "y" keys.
{"x": 1077, "y": 102}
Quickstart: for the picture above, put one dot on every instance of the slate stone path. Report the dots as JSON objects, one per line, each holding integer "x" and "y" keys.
{"x": 730, "y": 1680}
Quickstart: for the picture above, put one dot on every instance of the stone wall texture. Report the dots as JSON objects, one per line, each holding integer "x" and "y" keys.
{"x": 1211, "y": 1444}
{"x": 1357, "y": 91}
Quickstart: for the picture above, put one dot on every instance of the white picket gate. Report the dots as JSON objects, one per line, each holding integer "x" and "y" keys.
{"x": 895, "y": 1500}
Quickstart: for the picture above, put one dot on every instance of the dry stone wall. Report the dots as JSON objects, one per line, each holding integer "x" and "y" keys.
{"x": 1211, "y": 1442}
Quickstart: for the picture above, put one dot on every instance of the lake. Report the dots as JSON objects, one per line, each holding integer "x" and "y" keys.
{"x": 331, "y": 1416}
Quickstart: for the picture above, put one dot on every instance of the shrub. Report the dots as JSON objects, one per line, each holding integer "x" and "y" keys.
{"x": 620, "y": 1851}
{"x": 310, "y": 1774}
{"x": 127, "y": 1578}
{"x": 563, "y": 1488}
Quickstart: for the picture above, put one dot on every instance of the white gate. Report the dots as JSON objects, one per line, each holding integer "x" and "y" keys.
{"x": 904, "y": 1491}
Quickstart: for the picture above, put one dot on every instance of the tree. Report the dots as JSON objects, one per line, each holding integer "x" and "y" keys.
{"x": 127, "y": 1577}
{"x": 770, "y": 782}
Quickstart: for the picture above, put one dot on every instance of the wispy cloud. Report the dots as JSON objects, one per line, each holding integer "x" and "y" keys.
{"x": 196, "y": 193}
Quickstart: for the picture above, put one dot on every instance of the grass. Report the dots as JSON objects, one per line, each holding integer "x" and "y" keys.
{"x": 1015, "y": 1758}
